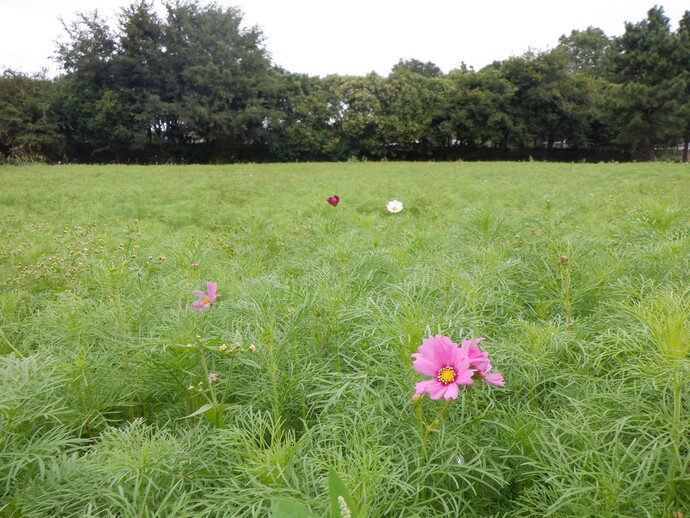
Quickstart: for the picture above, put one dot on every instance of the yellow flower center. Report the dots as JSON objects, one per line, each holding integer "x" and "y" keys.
{"x": 394, "y": 208}
{"x": 446, "y": 375}
{"x": 207, "y": 300}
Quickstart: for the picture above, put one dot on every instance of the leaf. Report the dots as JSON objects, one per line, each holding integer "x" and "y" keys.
{"x": 336, "y": 488}
{"x": 247, "y": 361}
{"x": 200, "y": 410}
{"x": 288, "y": 509}
{"x": 213, "y": 342}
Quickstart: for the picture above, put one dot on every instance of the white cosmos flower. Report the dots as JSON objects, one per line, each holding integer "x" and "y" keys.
{"x": 394, "y": 206}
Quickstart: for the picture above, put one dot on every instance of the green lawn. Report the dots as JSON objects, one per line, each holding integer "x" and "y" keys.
{"x": 577, "y": 275}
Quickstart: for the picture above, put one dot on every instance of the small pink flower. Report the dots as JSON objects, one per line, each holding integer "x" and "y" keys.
{"x": 480, "y": 360}
{"x": 449, "y": 365}
{"x": 194, "y": 265}
{"x": 212, "y": 377}
{"x": 205, "y": 299}
{"x": 333, "y": 200}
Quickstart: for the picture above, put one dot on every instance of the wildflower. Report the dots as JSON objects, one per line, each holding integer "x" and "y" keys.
{"x": 344, "y": 509}
{"x": 252, "y": 347}
{"x": 195, "y": 265}
{"x": 223, "y": 347}
{"x": 394, "y": 206}
{"x": 333, "y": 200}
{"x": 191, "y": 387}
{"x": 205, "y": 299}
{"x": 479, "y": 360}
{"x": 212, "y": 377}
{"x": 449, "y": 365}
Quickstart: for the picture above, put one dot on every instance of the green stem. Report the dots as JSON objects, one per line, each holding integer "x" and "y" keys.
{"x": 227, "y": 385}
{"x": 214, "y": 398}
{"x": 204, "y": 366}
{"x": 268, "y": 340}
{"x": 429, "y": 428}
{"x": 566, "y": 294}
{"x": 14, "y": 349}
{"x": 127, "y": 375}
{"x": 677, "y": 407}
{"x": 674, "y": 462}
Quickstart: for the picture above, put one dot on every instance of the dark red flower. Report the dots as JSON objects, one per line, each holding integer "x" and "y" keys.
{"x": 333, "y": 200}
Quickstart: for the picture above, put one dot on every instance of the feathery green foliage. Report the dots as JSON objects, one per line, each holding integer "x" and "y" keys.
{"x": 97, "y": 270}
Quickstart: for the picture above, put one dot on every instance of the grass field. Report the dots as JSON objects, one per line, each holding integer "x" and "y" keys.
{"x": 578, "y": 277}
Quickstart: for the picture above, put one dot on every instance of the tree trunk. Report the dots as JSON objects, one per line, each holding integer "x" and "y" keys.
{"x": 685, "y": 151}
{"x": 652, "y": 155}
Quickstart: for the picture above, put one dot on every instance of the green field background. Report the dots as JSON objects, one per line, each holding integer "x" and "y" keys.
{"x": 577, "y": 275}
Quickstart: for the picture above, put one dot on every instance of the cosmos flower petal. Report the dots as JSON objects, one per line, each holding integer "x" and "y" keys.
{"x": 431, "y": 386}
{"x": 394, "y": 206}
{"x": 451, "y": 391}
{"x": 465, "y": 377}
{"x": 478, "y": 358}
{"x": 428, "y": 350}
{"x": 495, "y": 378}
{"x": 424, "y": 365}
{"x": 473, "y": 342}
{"x": 200, "y": 294}
{"x": 439, "y": 349}
{"x": 211, "y": 286}
{"x": 438, "y": 391}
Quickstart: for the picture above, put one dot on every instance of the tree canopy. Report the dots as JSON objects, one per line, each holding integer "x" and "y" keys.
{"x": 192, "y": 83}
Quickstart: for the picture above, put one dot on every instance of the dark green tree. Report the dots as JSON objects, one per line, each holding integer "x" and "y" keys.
{"x": 585, "y": 51}
{"x": 87, "y": 103}
{"x": 415, "y": 66}
{"x": 302, "y": 128}
{"x": 549, "y": 104}
{"x": 28, "y": 127}
{"x": 223, "y": 80}
{"x": 193, "y": 86}
{"x": 478, "y": 109}
{"x": 649, "y": 85}
{"x": 415, "y": 94}
{"x": 683, "y": 35}
{"x": 357, "y": 106}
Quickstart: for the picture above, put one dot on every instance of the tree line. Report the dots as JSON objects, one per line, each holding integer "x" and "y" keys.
{"x": 195, "y": 85}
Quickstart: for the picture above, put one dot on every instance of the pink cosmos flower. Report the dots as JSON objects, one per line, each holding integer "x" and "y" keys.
{"x": 480, "y": 361}
{"x": 205, "y": 299}
{"x": 333, "y": 200}
{"x": 449, "y": 365}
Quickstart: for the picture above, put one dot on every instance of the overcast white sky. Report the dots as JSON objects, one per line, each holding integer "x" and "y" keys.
{"x": 321, "y": 37}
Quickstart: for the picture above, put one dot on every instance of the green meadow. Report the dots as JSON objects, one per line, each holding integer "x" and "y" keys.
{"x": 576, "y": 275}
